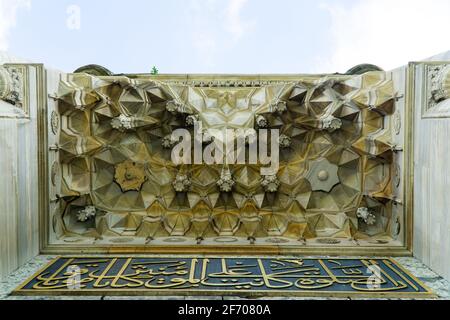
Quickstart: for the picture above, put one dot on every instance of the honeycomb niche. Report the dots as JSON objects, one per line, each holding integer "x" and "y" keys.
{"x": 117, "y": 183}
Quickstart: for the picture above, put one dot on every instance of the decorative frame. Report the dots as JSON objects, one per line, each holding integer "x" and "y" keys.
{"x": 433, "y": 75}
{"x": 20, "y": 84}
{"x": 45, "y": 121}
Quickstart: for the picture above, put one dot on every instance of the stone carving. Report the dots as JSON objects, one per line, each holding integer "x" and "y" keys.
{"x": 261, "y": 122}
{"x": 226, "y": 181}
{"x": 122, "y": 123}
{"x": 175, "y": 107}
{"x": 284, "y": 141}
{"x": 397, "y": 118}
{"x": 130, "y": 175}
{"x": 168, "y": 142}
{"x": 439, "y": 84}
{"x": 191, "y": 120}
{"x": 397, "y": 175}
{"x": 182, "y": 183}
{"x": 331, "y": 123}
{"x": 270, "y": 183}
{"x": 329, "y": 241}
{"x": 366, "y": 216}
{"x": 278, "y": 105}
{"x": 87, "y": 213}
{"x": 54, "y": 173}
{"x": 54, "y": 122}
{"x": 323, "y": 175}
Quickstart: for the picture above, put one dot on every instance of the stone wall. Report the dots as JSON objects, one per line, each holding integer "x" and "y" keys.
{"x": 19, "y": 238}
{"x": 431, "y": 163}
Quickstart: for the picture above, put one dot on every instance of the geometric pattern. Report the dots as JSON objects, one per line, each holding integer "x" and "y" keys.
{"x": 115, "y": 158}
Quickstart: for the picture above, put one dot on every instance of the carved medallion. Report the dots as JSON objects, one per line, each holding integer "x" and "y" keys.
{"x": 175, "y": 240}
{"x": 121, "y": 240}
{"x": 54, "y": 172}
{"x": 397, "y": 122}
{"x": 130, "y": 175}
{"x": 226, "y": 240}
{"x": 270, "y": 183}
{"x": 86, "y": 214}
{"x": 323, "y": 175}
{"x": 328, "y": 241}
{"x": 182, "y": 183}
{"x": 398, "y": 227}
{"x": 397, "y": 175}
{"x": 54, "y": 122}
{"x": 277, "y": 240}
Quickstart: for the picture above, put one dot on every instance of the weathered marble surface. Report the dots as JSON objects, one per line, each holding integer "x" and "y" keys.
{"x": 18, "y": 190}
{"x": 432, "y": 280}
{"x": 11, "y": 282}
{"x": 439, "y": 285}
{"x": 431, "y": 181}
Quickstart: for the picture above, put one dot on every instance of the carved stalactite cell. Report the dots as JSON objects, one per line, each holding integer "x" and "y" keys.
{"x": 54, "y": 122}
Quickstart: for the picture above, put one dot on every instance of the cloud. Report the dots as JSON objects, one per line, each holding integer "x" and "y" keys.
{"x": 216, "y": 26}
{"x": 8, "y": 13}
{"x": 233, "y": 22}
{"x": 202, "y": 28}
{"x": 385, "y": 32}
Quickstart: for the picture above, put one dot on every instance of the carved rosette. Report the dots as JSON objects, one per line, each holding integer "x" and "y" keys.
{"x": 182, "y": 183}
{"x": 397, "y": 118}
{"x": 365, "y": 215}
{"x": 261, "y": 122}
{"x": 308, "y": 196}
{"x": 284, "y": 141}
{"x": 87, "y": 213}
{"x": 54, "y": 122}
{"x": 122, "y": 123}
{"x": 176, "y": 107}
{"x": 168, "y": 142}
{"x": 323, "y": 175}
{"x": 397, "y": 175}
{"x": 191, "y": 120}
{"x": 270, "y": 183}
{"x": 54, "y": 172}
{"x": 226, "y": 182}
{"x": 130, "y": 175}
{"x": 278, "y": 105}
{"x": 331, "y": 123}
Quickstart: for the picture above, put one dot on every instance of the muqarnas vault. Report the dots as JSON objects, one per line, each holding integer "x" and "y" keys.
{"x": 339, "y": 181}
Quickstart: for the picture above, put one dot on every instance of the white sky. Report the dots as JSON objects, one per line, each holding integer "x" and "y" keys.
{"x": 225, "y": 36}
